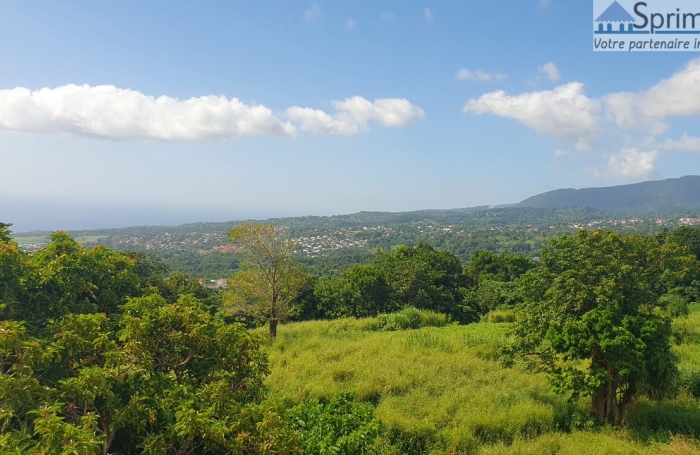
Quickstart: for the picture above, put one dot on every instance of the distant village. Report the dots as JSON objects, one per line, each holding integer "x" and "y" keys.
{"x": 326, "y": 240}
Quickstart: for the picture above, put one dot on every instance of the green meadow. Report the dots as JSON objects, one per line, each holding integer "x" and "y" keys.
{"x": 442, "y": 390}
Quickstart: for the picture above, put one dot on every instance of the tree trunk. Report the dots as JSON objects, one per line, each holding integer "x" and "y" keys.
{"x": 273, "y": 328}
{"x": 606, "y": 405}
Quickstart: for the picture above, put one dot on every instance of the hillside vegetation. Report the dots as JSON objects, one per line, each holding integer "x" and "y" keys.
{"x": 443, "y": 390}
{"x": 680, "y": 193}
{"x": 592, "y": 348}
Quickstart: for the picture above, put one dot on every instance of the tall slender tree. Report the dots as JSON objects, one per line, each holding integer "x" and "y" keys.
{"x": 270, "y": 280}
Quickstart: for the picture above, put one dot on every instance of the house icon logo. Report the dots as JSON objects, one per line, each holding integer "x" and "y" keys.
{"x": 615, "y": 20}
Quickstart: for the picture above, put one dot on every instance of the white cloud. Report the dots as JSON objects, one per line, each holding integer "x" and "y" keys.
{"x": 354, "y": 114}
{"x": 559, "y": 153}
{"x": 633, "y": 164}
{"x": 109, "y": 112}
{"x": 677, "y": 96}
{"x": 428, "y": 16}
{"x": 350, "y": 24}
{"x": 313, "y": 14}
{"x": 478, "y": 75}
{"x": 564, "y": 113}
{"x": 551, "y": 71}
{"x": 685, "y": 144}
{"x": 544, "y": 4}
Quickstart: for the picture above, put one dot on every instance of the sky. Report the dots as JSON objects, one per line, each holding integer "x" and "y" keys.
{"x": 140, "y": 113}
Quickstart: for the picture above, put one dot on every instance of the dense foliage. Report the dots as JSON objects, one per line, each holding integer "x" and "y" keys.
{"x": 103, "y": 351}
{"x": 592, "y": 317}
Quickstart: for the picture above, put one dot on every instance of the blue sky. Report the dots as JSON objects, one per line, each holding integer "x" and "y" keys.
{"x": 122, "y": 113}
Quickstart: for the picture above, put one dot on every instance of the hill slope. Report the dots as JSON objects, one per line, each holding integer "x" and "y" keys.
{"x": 663, "y": 195}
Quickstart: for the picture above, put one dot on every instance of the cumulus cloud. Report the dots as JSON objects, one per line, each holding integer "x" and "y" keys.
{"x": 564, "y": 113}
{"x": 551, "y": 71}
{"x": 109, "y": 112}
{"x": 313, "y": 14}
{"x": 677, "y": 96}
{"x": 354, "y": 115}
{"x": 350, "y": 24}
{"x": 633, "y": 164}
{"x": 478, "y": 75}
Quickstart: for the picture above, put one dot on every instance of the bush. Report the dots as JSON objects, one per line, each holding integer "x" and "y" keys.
{"x": 675, "y": 305}
{"x": 501, "y": 317}
{"x": 342, "y": 427}
{"x": 411, "y": 318}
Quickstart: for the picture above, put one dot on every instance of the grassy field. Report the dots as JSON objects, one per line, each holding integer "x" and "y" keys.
{"x": 442, "y": 390}
{"x": 31, "y": 240}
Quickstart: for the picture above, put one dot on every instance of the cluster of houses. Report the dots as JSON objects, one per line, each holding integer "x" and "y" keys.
{"x": 689, "y": 221}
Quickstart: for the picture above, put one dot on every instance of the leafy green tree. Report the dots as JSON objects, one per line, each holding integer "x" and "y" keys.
{"x": 591, "y": 317}
{"x": 360, "y": 291}
{"x": 485, "y": 265}
{"x": 426, "y": 278}
{"x": 688, "y": 237}
{"x": 68, "y": 278}
{"x": 13, "y": 269}
{"x": 5, "y": 232}
{"x": 270, "y": 280}
{"x": 167, "y": 379}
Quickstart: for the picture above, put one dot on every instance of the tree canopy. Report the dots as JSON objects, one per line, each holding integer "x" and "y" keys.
{"x": 592, "y": 319}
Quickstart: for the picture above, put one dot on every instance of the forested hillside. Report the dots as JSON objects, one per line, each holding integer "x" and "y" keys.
{"x": 662, "y": 196}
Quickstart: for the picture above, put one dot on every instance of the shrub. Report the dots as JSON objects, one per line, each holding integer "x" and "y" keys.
{"x": 341, "y": 427}
{"x": 411, "y": 318}
{"x": 501, "y": 317}
{"x": 675, "y": 305}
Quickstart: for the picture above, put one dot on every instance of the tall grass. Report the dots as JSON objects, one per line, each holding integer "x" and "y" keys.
{"x": 411, "y": 318}
{"x": 443, "y": 391}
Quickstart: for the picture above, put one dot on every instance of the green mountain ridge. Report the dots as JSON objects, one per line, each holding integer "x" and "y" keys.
{"x": 677, "y": 193}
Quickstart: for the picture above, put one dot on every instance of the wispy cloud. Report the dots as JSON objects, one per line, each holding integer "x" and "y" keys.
{"x": 478, "y": 75}
{"x": 544, "y": 4}
{"x": 313, "y": 14}
{"x": 551, "y": 71}
{"x": 428, "y": 16}
{"x": 350, "y": 24}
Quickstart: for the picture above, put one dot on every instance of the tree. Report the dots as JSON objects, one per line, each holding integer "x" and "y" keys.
{"x": 171, "y": 379}
{"x": 67, "y": 278}
{"x": 270, "y": 280}
{"x": 688, "y": 237}
{"x": 591, "y": 317}
{"x": 5, "y": 232}
{"x": 426, "y": 278}
{"x": 360, "y": 291}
